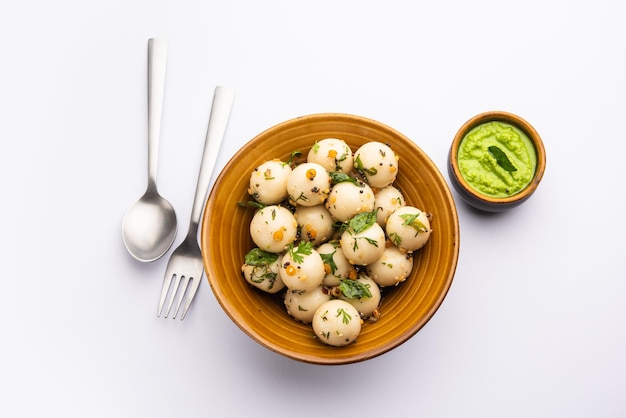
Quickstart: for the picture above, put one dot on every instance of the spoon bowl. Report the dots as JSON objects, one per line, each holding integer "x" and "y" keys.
{"x": 149, "y": 227}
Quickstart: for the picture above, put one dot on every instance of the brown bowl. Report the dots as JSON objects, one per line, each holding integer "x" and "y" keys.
{"x": 405, "y": 309}
{"x": 473, "y": 196}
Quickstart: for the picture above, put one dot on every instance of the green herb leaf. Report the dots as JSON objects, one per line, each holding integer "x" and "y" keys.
{"x": 340, "y": 177}
{"x": 345, "y": 316}
{"x": 358, "y": 164}
{"x": 257, "y": 257}
{"x": 371, "y": 241}
{"x": 293, "y": 156}
{"x": 252, "y": 204}
{"x": 354, "y": 289}
{"x": 298, "y": 253}
{"x": 397, "y": 239}
{"x": 339, "y": 160}
{"x": 411, "y": 219}
{"x": 501, "y": 158}
{"x": 362, "y": 221}
{"x": 328, "y": 259}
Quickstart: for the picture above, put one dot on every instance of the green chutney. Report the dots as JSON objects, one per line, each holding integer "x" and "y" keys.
{"x": 497, "y": 159}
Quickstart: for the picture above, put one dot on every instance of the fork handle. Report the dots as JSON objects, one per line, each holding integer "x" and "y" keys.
{"x": 220, "y": 112}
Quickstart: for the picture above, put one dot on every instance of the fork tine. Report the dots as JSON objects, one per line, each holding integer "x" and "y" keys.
{"x": 166, "y": 286}
{"x": 173, "y": 293}
{"x": 192, "y": 293}
{"x": 181, "y": 294}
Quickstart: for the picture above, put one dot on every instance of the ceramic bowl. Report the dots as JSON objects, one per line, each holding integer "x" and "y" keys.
{"x": 405, "y": 309}
{"x": 474, "y": 197}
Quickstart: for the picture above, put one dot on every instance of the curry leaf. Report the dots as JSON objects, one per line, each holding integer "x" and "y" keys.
{"x": 501, "y": 158}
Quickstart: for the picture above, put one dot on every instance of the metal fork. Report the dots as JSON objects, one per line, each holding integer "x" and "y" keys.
{"x": 185, "y": 264}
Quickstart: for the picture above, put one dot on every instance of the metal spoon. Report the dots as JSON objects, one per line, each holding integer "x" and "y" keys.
{"x": 149, "y": 226}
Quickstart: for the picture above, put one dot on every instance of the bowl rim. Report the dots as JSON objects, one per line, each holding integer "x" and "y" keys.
{"x": 524, "y": 126}
{"x": 339, "y": 359}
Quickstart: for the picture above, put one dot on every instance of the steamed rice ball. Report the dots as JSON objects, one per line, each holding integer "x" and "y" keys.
{"x": 377, "y": 162}
{"x": 308, "y": 184}
{"x": 388, "y": 199}
{"x": 408, "y": 228}
{"x": 273, "y": 228}
{"x": 336, "y": 265}
{"x": 347, "y": 199}
{"x": 392, "y": 268}
{"x": 268, "y": 182}
{"x": 365, "y": 246}
{"x": 261, "y": 270}
{"x": 302, "y": 305}
{"x": 333, "y": 154}
{"x": 336, "y": 323}
{"x": 302, "y": 268}
{"x": 367, "y": 306}
{"x": 315, "y": 223}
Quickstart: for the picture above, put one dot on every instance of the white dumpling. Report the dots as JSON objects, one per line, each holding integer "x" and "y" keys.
{"x": 333, "y": 154}
{"x": 302, "y": 305}
{"x": 273, "y": 228}
{"x": 264, "y": 274}
{"x": 302, "y": 268}
{"x": 363, "y": 247}
{"x": 308, "y": 184}
{"x": 336, "y": 265}
{"x": 315, "y": 223}
{"x": 388, "y": 199}
{"x": 392, "y": 268}
{"x": 408, "y": 228}
{"x": 336, "y": 323}
{"x": 377, "y": 162}
{"x": 268, "y": 182}
{"x": 347, "y": 199}
{"x": 366, "y": 306}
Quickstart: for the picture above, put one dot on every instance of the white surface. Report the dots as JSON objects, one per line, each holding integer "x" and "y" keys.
{"x": 535, "y": 322}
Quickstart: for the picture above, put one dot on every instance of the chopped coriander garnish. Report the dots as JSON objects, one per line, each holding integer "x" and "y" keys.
{"x": 328, "y": 260}
{"x": 354, "y": 289}
{"x": 345, "y": 316}
{"x": 252, "y": 204}
{"x": 340, "y": 177}
{"x": 297, "y": 253}
{"x": 411, "y": 219}
{"x": 358, "y": 164}
{"x": 362, "y": 221}
{"x": 258, "y": 257}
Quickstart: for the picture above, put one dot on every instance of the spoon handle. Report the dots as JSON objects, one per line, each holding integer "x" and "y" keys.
{"x": 220, "y": 112}
{"x": 157, "y": 59}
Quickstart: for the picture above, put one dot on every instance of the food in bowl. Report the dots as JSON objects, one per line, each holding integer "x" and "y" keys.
{"x": 225, "y": 240}
{"x": 329, "y": 213}
{"x": 497, "y": 159}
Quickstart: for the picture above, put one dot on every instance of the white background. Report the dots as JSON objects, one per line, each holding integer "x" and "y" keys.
{"x": 534, "y": 324}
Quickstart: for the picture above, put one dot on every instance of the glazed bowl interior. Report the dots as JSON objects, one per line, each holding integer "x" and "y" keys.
{"x": 405, "y": 309}
{"x": 482, "y": 201}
